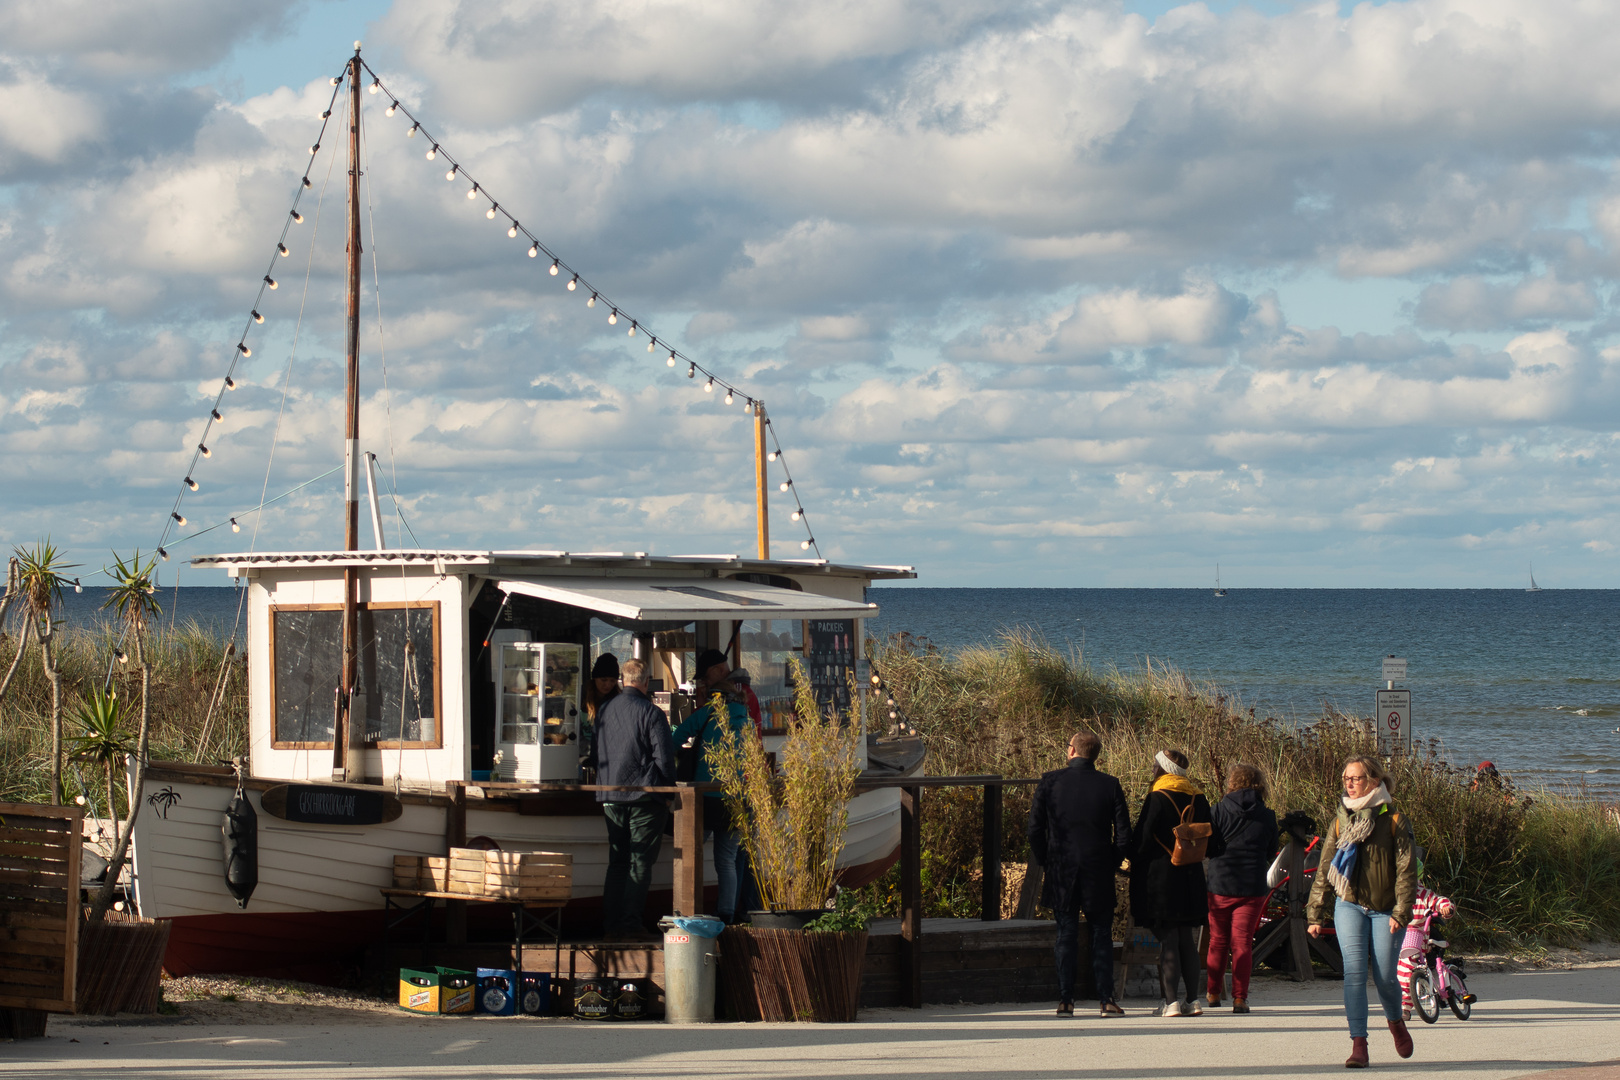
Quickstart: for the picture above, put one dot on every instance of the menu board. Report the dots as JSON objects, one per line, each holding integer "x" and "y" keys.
{"x": 830, "y": 655}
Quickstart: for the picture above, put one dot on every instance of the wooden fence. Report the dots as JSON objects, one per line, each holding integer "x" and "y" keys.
{"x": 39, "y": 906}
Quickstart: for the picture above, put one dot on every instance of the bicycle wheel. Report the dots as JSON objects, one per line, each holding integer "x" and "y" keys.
{"x": 1461, "y": 1007}
{"x": 1423, "y": 997}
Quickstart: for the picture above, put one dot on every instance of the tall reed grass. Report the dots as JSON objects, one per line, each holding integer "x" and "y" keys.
{"x": 186, "y": 668}
{"x": 1524, "y": 867}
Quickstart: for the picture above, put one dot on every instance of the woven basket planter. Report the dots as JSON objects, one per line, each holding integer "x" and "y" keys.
{"x": 120, "y": 965}
{"x": 779, "y": 975}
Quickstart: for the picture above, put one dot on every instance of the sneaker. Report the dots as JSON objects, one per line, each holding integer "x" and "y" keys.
{"x": 1192, "y": 1008}
{"x": 1239, "y": 1005}
{"x": 1110, "y": 1008}
{"x": 1065, "y": 1008}
{"x": 1169, "y": 1008}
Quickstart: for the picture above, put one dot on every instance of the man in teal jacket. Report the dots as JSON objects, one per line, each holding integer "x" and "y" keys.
{"x": 705, "y": 728}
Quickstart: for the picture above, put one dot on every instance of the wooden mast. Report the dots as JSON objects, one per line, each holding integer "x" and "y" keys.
{"x": 761, "y": 481}
{"x": 347, "y": 762}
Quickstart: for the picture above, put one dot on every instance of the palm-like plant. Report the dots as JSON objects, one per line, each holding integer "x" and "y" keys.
{"x": 131, "y": 596}
{"x": 101, "y": 739}
{"x": 41, "y": 574}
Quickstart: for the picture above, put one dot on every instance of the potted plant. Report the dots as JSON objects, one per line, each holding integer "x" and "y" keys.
{"x": 795, "y": 961}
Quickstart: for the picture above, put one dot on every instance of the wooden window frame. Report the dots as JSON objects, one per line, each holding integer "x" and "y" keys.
{"x": 382, "y": 744}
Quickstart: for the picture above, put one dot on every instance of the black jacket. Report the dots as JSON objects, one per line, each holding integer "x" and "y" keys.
{"x": 1163, "y": 895}
{"x": 1249, "y": 828}
{"x": 1079, "y": 827}
{"x": 632, "y": 745}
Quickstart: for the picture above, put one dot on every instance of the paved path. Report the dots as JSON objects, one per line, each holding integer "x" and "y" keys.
{"x": 1524, "y": 1023}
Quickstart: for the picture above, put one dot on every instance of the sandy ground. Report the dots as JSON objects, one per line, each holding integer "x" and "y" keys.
{"x": 1560, "y": 1017}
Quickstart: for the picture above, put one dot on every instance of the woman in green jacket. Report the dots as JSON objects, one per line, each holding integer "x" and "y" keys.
{"x": 1369, "y": 875}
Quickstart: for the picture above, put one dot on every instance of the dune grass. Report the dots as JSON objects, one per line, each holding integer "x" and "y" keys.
{"x": 1526, "y": 868}
{"x": 186, "y": 664}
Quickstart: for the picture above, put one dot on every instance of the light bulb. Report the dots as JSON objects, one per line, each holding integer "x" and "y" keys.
{"x": 230, "y": 383}
{"x": 671, "y": 361}
{"x": 328, "y": 113}
{"x": 258, "y": 318}
{"x": 202, "y": 449}
{"x": 307, "y": 184}
{"x": 512, "y": 232}
{"x": 729, "y": 398}
{"x": 270, "y": 281}
{"x": 314, "y": 149}
{"x": 190, "y": 483}
{"x": 242, "y": 347}
{"x": 390, "y": 110}
{"x": 772, "y": 456}
{"x": 218, "y": 419}
{"x": 179, "y": 518}
{"x": 613, "y": 317}
{"x": 748, "y": 403}
{"x": 632, "y": 328}
{"x": 121, "y": 656}
{"x": 573, "y": 283}
{"x": 235, "y": 526}
{"x": 554, "y": 265}
{"x": 411, "y": 134}
{"x": 77, "y": 587}
{"x": 490, "y": 213}
{"x": 433, "y": 151}
{"x": 472, "y": 192}
{"x": 451, "y": 175}
{"x": 376, "y": 85}
{"x": 653, "y": 344}
{"x": 708, "y": 387}
{"x": 533, "y": 251}
{"x": 335, "y": 80}
{"x": 592, "y": 301}
{"x": 804, "y": 545}
{"x": 691, "y": 368}
{"x": 297, "y": 217}
{"x": 79, "y": 799}
{"x": 784, "y": 485}
{"x": 797, "y": 514}
{"x": 281, "y": 249}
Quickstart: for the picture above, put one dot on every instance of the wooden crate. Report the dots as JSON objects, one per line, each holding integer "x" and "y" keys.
{"x": 511, "y": 875}
{"x": 429, "y": 872}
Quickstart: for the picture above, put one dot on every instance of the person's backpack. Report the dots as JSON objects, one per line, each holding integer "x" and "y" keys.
{"x": 1192, "y": 838}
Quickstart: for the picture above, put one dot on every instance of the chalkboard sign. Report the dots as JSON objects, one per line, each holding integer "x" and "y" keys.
{"x": 830, "y": 656}
{"x": 327, "y": 804}
{"x": 397, "y": 689}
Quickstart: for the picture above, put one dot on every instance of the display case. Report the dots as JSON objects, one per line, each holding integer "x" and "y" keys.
{"x": 538, "y": 702}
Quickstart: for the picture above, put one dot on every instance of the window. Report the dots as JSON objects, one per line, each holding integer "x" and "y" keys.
{"x": 397, "y": 687}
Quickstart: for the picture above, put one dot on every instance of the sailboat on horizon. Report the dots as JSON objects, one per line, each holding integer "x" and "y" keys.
{"x": 1218, "y": 590}
{"x": 1533, "y": 586}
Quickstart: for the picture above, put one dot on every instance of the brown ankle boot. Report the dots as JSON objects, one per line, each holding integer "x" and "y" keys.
{"x": 1403, "y": 1038}
{"x": 1358, "y": 1054}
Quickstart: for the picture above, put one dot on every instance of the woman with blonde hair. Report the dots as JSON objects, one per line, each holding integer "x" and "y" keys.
{"x": 1237, "y": 882}
{"x": 1369, "y": 874}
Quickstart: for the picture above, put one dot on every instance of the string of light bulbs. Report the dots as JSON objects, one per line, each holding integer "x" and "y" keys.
{"x": 576, "y": 282}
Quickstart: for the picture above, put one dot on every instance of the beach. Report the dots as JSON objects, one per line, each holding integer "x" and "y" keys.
{"x": 1560, "y": 1019}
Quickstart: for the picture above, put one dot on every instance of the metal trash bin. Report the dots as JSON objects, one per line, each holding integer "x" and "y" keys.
{"x": 691, "y": 964}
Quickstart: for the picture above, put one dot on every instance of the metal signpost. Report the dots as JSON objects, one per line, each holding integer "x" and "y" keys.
{"x": 1393, "y": 717}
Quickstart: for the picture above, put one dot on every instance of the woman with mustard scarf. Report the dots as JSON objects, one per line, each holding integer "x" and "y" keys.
{"x": 1168, "y": 899}
{"x": 1366, "y": 884}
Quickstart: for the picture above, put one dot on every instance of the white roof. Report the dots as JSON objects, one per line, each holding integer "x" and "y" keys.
{"x": 685, "y": 599}
{"x": 477, "y": 561}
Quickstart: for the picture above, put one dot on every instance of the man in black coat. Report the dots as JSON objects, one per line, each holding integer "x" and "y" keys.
{"x": 1079, "y": 831}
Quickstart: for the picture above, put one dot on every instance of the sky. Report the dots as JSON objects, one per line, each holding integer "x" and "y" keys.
{"x": 1035, "y": 293}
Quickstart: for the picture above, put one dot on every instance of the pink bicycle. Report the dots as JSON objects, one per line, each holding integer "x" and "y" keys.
{"x": 1439, "y": 980}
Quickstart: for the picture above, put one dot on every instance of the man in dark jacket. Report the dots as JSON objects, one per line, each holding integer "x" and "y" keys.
{"x": 1079, "y": 828}
{"x": 632, "y": 747}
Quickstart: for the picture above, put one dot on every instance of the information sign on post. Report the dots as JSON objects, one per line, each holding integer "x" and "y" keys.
{"x": 1394, "y": 669}
{"x": 1393, "y": 721}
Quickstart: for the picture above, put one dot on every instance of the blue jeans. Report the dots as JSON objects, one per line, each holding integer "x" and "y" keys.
{"x": 727, "y": 844}
{"x": 1364, "y": 935}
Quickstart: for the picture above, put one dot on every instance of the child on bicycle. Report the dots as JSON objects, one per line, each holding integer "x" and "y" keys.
{"x": 1425, "y": 909}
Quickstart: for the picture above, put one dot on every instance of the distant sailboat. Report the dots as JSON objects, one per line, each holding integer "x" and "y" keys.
{"x": 1533, "y": 586}
{"x": 1218, "y": 590}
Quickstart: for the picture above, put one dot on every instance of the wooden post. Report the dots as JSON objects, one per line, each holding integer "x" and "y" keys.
{"x": 761, "y": 481}
{"x": 347, "y": 756}
{"x": 990, "y": 891}
{"x": 1298, "y": 940}
{"x": 911, "y": 895}
{"x": 455, "y": 835}
{"x": 688, "y": 853}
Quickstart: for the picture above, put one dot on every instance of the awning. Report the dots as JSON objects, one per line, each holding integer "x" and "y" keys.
{"x": 684, "y": 600}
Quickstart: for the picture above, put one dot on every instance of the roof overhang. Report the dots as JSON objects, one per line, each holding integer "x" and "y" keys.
{"x": 684, "y": 600}
{"x": 502, "y": 563}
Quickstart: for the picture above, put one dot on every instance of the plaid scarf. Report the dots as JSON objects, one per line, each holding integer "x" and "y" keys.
{"x": 1363, "y": 816}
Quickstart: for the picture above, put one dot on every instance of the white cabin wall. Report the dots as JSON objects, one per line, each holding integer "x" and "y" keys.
{"x": 276, "y": 588}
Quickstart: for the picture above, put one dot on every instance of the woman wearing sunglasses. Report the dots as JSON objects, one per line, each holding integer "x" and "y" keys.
{"x": 1367, "y": 883}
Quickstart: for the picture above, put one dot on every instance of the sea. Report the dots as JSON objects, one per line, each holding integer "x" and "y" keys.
{"x": 1527, "y": 680}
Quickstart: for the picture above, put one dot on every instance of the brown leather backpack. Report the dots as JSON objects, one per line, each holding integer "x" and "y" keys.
{"x": 1192, "y": 838}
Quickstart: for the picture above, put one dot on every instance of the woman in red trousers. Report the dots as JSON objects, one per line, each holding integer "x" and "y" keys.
{"x": 1237, "y": 882}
